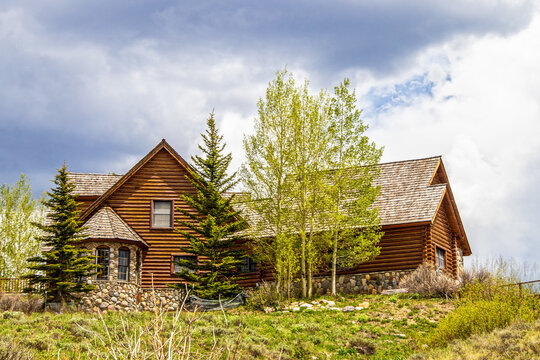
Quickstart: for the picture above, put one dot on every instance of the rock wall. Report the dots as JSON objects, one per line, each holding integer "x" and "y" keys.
{"x": 129, "y": 297}
{"x": 123, "y": 296}
{"x": 363, "y": 283}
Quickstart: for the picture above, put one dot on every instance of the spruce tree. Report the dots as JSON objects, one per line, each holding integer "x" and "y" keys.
{"x": 213, "y": 227}
{"x": 61, "y": 269}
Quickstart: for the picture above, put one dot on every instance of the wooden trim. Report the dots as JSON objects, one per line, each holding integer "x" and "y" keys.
{"x": 405, "y": 225}
{"x": 463, "y": 236}
{"x": 152, "y": 214}
{"x": 435, "y": 172}
{"x": 116, "y": 240}
{"x": 445, "y": 267}
{"x": 438, "y": 206}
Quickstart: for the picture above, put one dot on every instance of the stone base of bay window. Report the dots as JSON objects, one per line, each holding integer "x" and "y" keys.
{"x": 129, "y": 297}
{"x": 111, "y": 296}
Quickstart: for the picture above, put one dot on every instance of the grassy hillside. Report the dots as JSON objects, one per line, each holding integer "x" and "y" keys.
{"x": 387, "y": 329}
{"x": 519, "y": 341}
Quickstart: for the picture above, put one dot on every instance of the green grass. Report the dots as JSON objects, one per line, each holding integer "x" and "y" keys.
{"x": 519, "y": 341}
{"x": 388, "y": 329}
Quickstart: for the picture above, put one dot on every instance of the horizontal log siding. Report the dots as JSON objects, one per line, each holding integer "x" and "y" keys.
{"x": 162, "y": 178}
{"x": 442, "y": 236}
{"x": 401, "y": 249}
{"x": 85, "y": 202}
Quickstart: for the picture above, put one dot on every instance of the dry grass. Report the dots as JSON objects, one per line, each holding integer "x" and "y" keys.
{"x": 11, "y": 351}
{"x": 428, "y": 281}
{"x": 21, "y": 302}
{"x": 164, "y": 337}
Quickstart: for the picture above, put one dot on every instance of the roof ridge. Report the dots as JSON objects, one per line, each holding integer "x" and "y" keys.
{"x": 419, "y": 159}
{"x": 80, "y": 173}
{"x": 106, "y": 208}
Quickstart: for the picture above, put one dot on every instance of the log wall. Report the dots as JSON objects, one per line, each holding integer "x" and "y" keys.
{"x": 443, "y": 237}
{"x": 401, "y": 249}
{"x": 161, "y": 178}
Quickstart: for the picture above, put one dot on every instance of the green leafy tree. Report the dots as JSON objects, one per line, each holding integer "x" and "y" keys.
{"x": 308, "y": 171}
{"x": 18, "y": 237}
{"x": 309, "y": 157}
{"x": 213, "y": 228}
{"x": 352, "y": 222}
{"x": 265, "y": 175}
{"x": 61, "y": 269}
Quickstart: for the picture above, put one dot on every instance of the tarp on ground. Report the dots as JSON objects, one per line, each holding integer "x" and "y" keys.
{"x": 193, "y": 302}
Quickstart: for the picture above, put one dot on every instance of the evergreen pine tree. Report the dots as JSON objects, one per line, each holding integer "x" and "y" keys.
{"x": 60, "y": 270}
{"x": 213, "y": 227}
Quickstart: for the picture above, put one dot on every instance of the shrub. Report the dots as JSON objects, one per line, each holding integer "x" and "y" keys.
{"x": 266, "y": 295}
{"x": 475, "y": 275}
{"x": 19, "y": 302}
{"x": 518, "y": 341}
{"x": 484, "y": 307}
{"x": 428, "y": 281}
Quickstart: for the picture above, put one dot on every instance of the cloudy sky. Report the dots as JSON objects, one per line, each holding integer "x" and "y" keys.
{"x": 99, "y": 83}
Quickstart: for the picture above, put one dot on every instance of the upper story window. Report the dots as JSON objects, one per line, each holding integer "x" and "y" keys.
{"x": 162, "y": 213}
{"x": 248, "y": 265}
{"x": 103, "y": 259}
{"x": 441, "y": 258}
{"x": 123, "y": 264}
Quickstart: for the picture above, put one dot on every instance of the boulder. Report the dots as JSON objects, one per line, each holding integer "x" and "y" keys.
{"x": 348, "y": 309}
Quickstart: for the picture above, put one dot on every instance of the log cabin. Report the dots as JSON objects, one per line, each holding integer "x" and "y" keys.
{"x": 131, "y": 220}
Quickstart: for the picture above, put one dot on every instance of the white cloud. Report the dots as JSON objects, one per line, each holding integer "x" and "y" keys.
{"x": 484, "y": 118}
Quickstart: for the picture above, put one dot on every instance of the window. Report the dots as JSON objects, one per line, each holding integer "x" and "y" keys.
{"x": 138, "y": 265}
{"x": 123, "y": 264}
{"x": 176, "y": 267}
{"x": 248, "y": 265}
{"x": 102, "y": 259}
{"x": 441, "y": 258}
{"x": 162, "y": 213}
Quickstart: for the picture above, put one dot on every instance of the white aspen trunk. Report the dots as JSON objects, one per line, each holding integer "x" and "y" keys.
{"x": 303, "y": 263}
{"x": 334, "y": 264}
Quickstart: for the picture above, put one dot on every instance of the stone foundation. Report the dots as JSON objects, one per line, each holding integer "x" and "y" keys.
{"x": 168, "y": 299}
{"x": 129, "y": 297}
{"x": 362, "y": 283}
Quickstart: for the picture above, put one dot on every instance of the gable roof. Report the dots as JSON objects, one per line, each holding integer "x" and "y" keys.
{"x": 162, "y": 145}
{"x": 92, "y": 184}
{"x": 406, "y": 195}
{"x": 107, "y": 224}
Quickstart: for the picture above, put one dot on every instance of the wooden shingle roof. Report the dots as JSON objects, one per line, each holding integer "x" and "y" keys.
{"x": 92, "y": 184}
{"x": 406, "y": 195}
{"x": 107, "y": 224}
